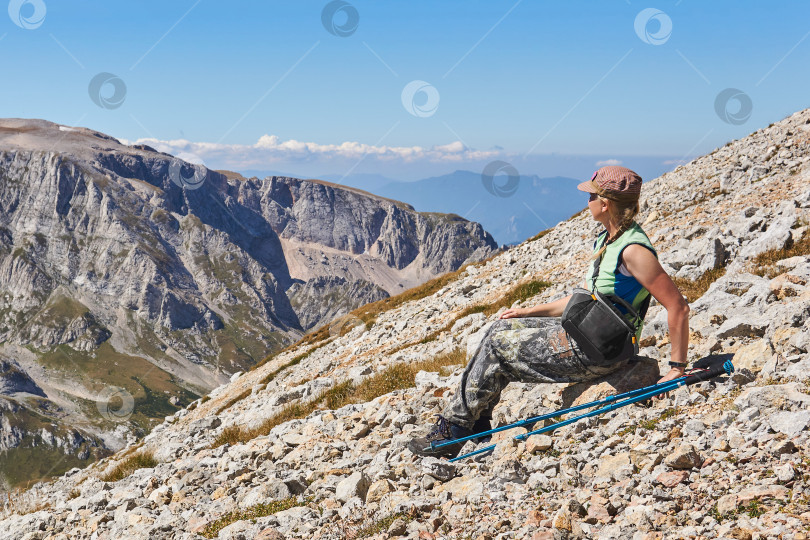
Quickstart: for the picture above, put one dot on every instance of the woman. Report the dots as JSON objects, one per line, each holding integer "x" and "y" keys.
{"x": 529, "y": 344}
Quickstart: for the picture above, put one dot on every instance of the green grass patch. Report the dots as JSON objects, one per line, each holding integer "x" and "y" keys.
{"x": 650, "y": 423}
{"x": 254, "y": 512}
{"x": 754, "y": 509}
{"x": 26, "y": 465}
{"x": 141, "y": 460}
{"x": 150, "y": 386}
{"x": 721, "y": 517}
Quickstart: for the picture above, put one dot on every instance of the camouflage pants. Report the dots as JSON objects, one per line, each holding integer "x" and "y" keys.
{"x": 532, "y": 349}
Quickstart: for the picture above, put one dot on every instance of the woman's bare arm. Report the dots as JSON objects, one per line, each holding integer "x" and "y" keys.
{"x": 550, "y": 309}
{"x": 643, "y": 265}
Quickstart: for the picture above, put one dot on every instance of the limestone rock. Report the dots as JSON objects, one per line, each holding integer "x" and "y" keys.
{"x": 638, "y": 374}
{"x": 791, "y": 423}
{"x": 684, "y": 457}
{"x": 378, "y": 489}
{"x": 438, "y": 469}
{"x": 672, "y": 478}
{"x": 610, "y": 466}
{"x": 538, "y": 443}
{"x": 355, "y": 485}
{"x": 753, "y": 356}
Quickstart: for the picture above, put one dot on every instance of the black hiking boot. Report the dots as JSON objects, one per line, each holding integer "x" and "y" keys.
{"x": 442, "y": 431}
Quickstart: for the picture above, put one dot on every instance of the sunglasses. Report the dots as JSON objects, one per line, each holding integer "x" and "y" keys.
{"x": 592, "y": 197}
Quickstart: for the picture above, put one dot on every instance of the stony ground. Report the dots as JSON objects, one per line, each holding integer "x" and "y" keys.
{"x": 723, "y": 459}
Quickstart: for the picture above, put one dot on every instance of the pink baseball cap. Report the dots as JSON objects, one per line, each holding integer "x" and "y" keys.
{"x": 614, "y": 182}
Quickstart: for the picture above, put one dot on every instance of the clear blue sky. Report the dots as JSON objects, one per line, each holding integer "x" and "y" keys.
{"x": 551, "y": 77}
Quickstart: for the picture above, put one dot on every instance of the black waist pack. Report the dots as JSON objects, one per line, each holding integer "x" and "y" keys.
{"x": 599, "y": 328}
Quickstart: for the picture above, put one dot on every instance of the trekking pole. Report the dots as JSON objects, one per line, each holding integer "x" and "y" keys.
{"x": 726, "y": 368}
{"x": 546, "y": 416}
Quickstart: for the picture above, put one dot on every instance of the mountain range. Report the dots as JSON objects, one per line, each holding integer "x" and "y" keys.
{"x": 512, "y": 209}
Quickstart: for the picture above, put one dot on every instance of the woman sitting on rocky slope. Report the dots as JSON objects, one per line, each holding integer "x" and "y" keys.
{"x": 530, "y": 345}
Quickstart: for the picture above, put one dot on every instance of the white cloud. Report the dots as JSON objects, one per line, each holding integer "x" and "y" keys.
{"x": 270, "y": 149}
{"x": 608, "y": 162}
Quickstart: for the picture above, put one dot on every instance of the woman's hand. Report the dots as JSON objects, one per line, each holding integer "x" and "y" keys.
{"x": 674, "y": 373}
{"x": 514, "y": 312}
{"x": 551, "y": 309}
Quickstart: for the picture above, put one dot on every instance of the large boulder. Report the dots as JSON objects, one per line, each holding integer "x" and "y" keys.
{"x": 641, "y": 372}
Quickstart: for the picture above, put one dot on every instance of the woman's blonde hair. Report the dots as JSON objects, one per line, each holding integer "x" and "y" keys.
{"x": 622, "y": 214}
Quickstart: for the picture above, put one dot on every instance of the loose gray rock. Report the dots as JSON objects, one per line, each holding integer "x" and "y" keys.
{"x": 355, "y": 485}
{"x": 791, "y": 423}
{"x": 438, "y": 469}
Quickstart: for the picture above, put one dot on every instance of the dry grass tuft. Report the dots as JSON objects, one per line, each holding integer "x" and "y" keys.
{"x": 20, "y": 502}
{"x": 230, "y": 435}
{"x": 267, "y": 378}
{"x": 396, "y": 377}
{"x": 294, "y": 362}
{"x": 694, "y": 289}
{"x": 765, "y": 264}
{"x": 142, "y": 460}
{"x": 522, "y": 292}
{"x": 228, "y": 404}
{"x": 542, "y": 233}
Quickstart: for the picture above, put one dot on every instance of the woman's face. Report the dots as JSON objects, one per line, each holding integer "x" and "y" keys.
{"x": 598, "y": 207}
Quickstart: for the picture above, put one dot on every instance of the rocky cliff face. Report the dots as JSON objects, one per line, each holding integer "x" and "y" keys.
{"x": 126, "y": 272}
{"x": 325, "y": 298}
{"x": 726, "y": 459}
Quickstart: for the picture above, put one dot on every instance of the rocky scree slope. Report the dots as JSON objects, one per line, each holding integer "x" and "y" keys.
{"x": 725, "y": 459}
{"x": 117, "y": 283}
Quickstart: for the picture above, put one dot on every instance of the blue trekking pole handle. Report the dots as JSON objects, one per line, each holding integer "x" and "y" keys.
{"x": 726, "y": 368}
{"x": 535, "y": 419}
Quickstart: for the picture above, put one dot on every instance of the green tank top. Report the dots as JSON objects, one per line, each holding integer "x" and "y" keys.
{"x": 610, "y": 280}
